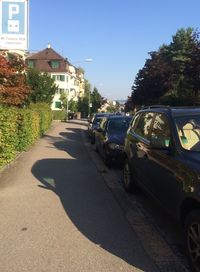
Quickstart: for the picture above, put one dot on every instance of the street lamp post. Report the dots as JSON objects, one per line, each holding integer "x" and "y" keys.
{"x": 67, "y": 104}
{"x": 89, "y": 103}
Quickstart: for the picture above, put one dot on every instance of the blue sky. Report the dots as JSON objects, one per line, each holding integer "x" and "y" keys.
{"x": 116, "y": 34}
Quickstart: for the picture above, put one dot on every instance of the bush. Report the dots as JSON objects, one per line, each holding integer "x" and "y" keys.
{"x": 8, "y": 134}
{"x": 20, "y": 128}
{"x": 45, "y": 113}
{"x": 59, "y": 115}
{"x": 28, "y": 128}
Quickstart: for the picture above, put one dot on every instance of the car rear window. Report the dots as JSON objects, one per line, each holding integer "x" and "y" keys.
{"x": 118, "y": 125}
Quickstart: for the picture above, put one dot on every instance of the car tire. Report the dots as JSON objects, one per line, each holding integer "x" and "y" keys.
{"x": 128, "y": 180}
{"x": 192, "y": 239}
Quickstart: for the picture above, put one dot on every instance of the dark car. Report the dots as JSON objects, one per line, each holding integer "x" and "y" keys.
{"x": 162, "y": 156}
{"x": 109, "y": 137}
{"x": 93, "y": 125}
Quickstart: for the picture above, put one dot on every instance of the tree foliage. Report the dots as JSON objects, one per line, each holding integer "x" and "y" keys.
{"x": 13, "y": 87}
{"x": 42, "y": 86}
{"x": 172, "y": 74}
{"x": 92, "y": 96}
{"x": 72, "y": 104}
{"x": 96, "y": 100}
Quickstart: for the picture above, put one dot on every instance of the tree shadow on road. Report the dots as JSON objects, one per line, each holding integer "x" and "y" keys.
{"x": 87, "y": 200}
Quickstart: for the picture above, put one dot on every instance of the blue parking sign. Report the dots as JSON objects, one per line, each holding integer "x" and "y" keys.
{"x": 13, "y": 18}
{"x": 14, "y": 24}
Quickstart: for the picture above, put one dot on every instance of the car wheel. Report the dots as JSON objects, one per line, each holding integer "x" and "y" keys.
{"x": 192, "y": 239}
{"x": 128, "y": 180}
{"x": 106, "y": 157}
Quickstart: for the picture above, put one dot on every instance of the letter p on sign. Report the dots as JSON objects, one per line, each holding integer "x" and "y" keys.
{"x": 13, "y": 10}
{"x": 13, "y": 25}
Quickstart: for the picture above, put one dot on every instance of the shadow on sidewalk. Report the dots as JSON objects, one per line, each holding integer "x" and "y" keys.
{"x": 87, "y": 200}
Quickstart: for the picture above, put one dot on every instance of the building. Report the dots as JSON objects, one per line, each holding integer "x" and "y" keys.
{"x": 68, "y": 78}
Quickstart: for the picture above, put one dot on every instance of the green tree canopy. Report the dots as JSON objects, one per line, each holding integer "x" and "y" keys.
{"x": 172, "y": 74}
{"x": 92, "y": 96}
{"x": 42, "y": 86}
{"x": 96, "y": 100}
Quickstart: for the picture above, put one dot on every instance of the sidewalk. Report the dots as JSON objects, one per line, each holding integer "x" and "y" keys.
{"x": 57, "y": 214}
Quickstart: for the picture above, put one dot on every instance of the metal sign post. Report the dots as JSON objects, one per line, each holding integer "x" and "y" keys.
{"x": 14, "y": 24}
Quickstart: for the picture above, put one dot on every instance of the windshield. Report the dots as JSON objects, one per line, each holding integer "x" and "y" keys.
{"x": 118, "y": 125}
{"x": 188, "y": 128}
{"x": 97, "y": 120}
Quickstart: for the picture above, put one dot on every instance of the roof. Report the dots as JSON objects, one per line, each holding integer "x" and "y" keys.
{"x": 46, "y": 54}
{"x": 42, "y": 61}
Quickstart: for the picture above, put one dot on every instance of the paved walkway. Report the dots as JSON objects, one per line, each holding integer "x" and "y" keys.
{"x": 57, "y": 214}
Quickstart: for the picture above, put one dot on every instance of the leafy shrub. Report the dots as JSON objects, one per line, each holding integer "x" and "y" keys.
{"x": 28, "y": 128}
{"x": 20, "y": 128}
{"x": 59, "y": 115}
{"x": 8, "y": 134}
{"x": 45, "y": 113}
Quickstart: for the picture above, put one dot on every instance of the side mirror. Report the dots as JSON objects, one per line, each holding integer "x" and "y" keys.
{"x": 160, "y": 143}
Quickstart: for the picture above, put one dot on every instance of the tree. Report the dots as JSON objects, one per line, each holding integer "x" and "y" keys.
{"x": 96, "y": 100}
{"x": 92, "y": 96}
{"x": 113, "y": 107}
{"x": 172, "y": 74}
{"x": 83, "y": 102}
{"x": 71, "y": 104}
{"x": 13, "y": 87}
{"x": 42, "y": 86}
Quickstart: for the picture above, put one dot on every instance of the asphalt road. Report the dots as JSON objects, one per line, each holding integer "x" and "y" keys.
{"x": 59, "y": 211}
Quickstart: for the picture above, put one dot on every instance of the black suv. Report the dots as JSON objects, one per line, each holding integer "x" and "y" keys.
{"x": 162, "y": 156}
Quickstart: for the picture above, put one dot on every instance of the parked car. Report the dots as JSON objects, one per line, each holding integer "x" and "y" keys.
{"x": 93, "y": 124}
{"x": 162, "y": 156}
{"x": 109, "y": 137}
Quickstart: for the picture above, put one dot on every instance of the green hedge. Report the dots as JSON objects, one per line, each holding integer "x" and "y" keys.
{"x": 45, "y": 114}
{"x": 20, "y": 128}
{"x": 8, "y": 134}
{"x": 59, "y": 115}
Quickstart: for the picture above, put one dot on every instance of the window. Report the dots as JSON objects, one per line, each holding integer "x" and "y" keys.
{"x": 189, "y": 132}
{"x": 103, "y": 123}
{"x": 76, "y": 83}
{"x": 58, "y": 105}
{"x": 31, "y": 63}
{"x": 59, "y": 91}
{"x": 118, "y": 125}
{"x": 135, "y": 121}
{"x": 55, "y": 64}
{"x": 161, "y": 130}
{"x": 59, "y": 77}
{"x": 62, "y": 78}
{"x": 143, "y": 125}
